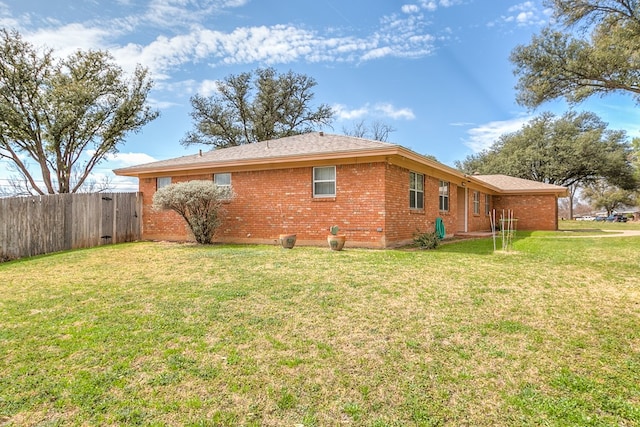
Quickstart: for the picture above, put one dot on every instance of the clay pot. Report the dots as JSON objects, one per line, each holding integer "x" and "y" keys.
{"x": 287, "y": 241}
{"x": 336, "y": 243}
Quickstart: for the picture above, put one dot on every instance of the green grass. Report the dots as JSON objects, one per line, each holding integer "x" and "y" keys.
{"x": 161, "y": 334}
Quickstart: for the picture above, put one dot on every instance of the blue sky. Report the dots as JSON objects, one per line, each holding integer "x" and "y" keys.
{"x": 435, "y": 70}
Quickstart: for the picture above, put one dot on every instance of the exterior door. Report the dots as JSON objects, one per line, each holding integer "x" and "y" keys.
{"x": 462, "y": 207}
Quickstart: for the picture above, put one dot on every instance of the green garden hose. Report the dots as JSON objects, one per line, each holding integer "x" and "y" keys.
{"x": 440, "y": 228}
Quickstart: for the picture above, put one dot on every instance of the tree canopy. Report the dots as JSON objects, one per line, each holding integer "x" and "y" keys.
{"x": 592, "y": 50}
{"x": 635, "y": 156}
{"x": 256, "y": 106}
{"x": 573, "y": 149}
{"x": 65, "y": 114}
{"x": 608, "y": 197}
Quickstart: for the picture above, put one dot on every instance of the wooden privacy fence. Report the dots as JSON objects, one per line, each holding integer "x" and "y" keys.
{"x": 43, "y": 224}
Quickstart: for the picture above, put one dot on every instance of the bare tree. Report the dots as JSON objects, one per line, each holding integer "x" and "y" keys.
{"x": 377, "y": 130}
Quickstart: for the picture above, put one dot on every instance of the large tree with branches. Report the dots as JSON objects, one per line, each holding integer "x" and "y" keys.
{"x": 256, "y": 106}
{"x": 593, "y": 48}
{"x": 572, "y": 150}
{"x": 65, "y": 114}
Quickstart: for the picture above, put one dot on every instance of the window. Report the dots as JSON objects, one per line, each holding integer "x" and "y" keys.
{"x": 416, "y": 190}
{"x": 476, "y": 203}
{"x": 487, "y": 204}
{"x": 162, "y": 181}
{"x": 222, "y": 179}
{"x": 324, "y": 181}
{"x": 443, "y": 197}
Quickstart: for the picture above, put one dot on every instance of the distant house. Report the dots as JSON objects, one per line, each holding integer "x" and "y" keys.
{"x": 379, "y": 194}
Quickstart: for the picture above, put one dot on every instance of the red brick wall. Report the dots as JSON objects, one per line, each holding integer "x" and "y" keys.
{"x": 480, "y": 221}
{"x": 403, "y": 222}
{"x": 371, "y": 207}
{"x": 271, "y": 202}
{"x": 534, "y": 212}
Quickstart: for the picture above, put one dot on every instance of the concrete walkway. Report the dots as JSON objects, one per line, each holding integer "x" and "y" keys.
{"x": 610, "y": 233}
{"x": 567, "y": 234}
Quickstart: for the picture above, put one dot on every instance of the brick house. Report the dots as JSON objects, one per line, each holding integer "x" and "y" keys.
{"x": 379, "y": 194}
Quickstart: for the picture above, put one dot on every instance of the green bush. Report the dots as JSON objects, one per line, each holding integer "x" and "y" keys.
{"x": 426, "y": 240}
{"x": 198, "y": 202}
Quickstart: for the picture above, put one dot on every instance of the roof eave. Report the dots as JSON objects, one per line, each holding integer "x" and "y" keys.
{"x": 535, "y": 191}
{"x": 362, "y": 156}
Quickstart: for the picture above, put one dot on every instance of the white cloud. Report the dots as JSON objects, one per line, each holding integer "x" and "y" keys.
{"x": 392, "y": 112}
{"x": 208, "y": 87}
{"x": 185, "y": 39}
{"x": 383, "y": 110}
{"x": 161, "y": 105}
{"x": 278, "y": 44}
{"x": 67, "y": 39}
{"x": 121, "y": 160}
{"x": 177, "y": 13}
{"x": 377, "y": 53}
{"x": 524, "y": 14}
{"x": 6, "y": 20}
{"x": 429, "y": 5}
{"x": 410, "y": 8}
{"x": 449, "y": 3}
{"x": 343, "y": 113}
{"x": 483, "y": 136}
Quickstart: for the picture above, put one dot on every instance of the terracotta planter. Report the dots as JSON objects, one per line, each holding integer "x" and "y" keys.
{"x": 287, "y": 241}
{"x": 336, "y": 243}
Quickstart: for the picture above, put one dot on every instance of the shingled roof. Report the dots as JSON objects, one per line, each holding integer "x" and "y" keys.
{"x": 307, "y": 144}
{"x": 510, "y": 184}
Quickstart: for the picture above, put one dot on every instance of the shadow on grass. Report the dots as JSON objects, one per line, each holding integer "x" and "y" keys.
{"x": 479, "y": 246}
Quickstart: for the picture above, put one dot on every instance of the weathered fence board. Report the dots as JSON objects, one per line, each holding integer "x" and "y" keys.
{"x": 43, "y": 224}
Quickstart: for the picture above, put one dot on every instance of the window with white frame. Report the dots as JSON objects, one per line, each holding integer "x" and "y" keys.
{"x": 487, "y": 204}
{"x": 416, "y": 190}
{"x": 476, "y": 203}
{"x": 162, "y": 181}
{"x": 443, "y": 196}
{"x": 222, "y": 179}
{"x": 324, "y": 181}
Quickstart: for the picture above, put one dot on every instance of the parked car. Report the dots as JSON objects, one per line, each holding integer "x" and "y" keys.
{"x": 600, "y": 218}
{"x": 586, "y": 218}
{"x": 616, "y": 218}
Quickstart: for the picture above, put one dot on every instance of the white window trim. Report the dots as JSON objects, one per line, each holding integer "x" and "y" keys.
{"x": 165, "y": 184}
{"x": 476, "y": 202}
{"x": 315, "y": 181}
{"x": 442, "y": 195}
{"x": 414, "y": 191}
{"x": 222, "y": 185}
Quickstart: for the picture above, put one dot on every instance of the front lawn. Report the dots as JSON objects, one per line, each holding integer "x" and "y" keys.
{"x": 169, "y": 334}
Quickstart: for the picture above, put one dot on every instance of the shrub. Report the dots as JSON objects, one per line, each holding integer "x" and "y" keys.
{"x": 426, "y": 240}
{"x": 198, "y": 202}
